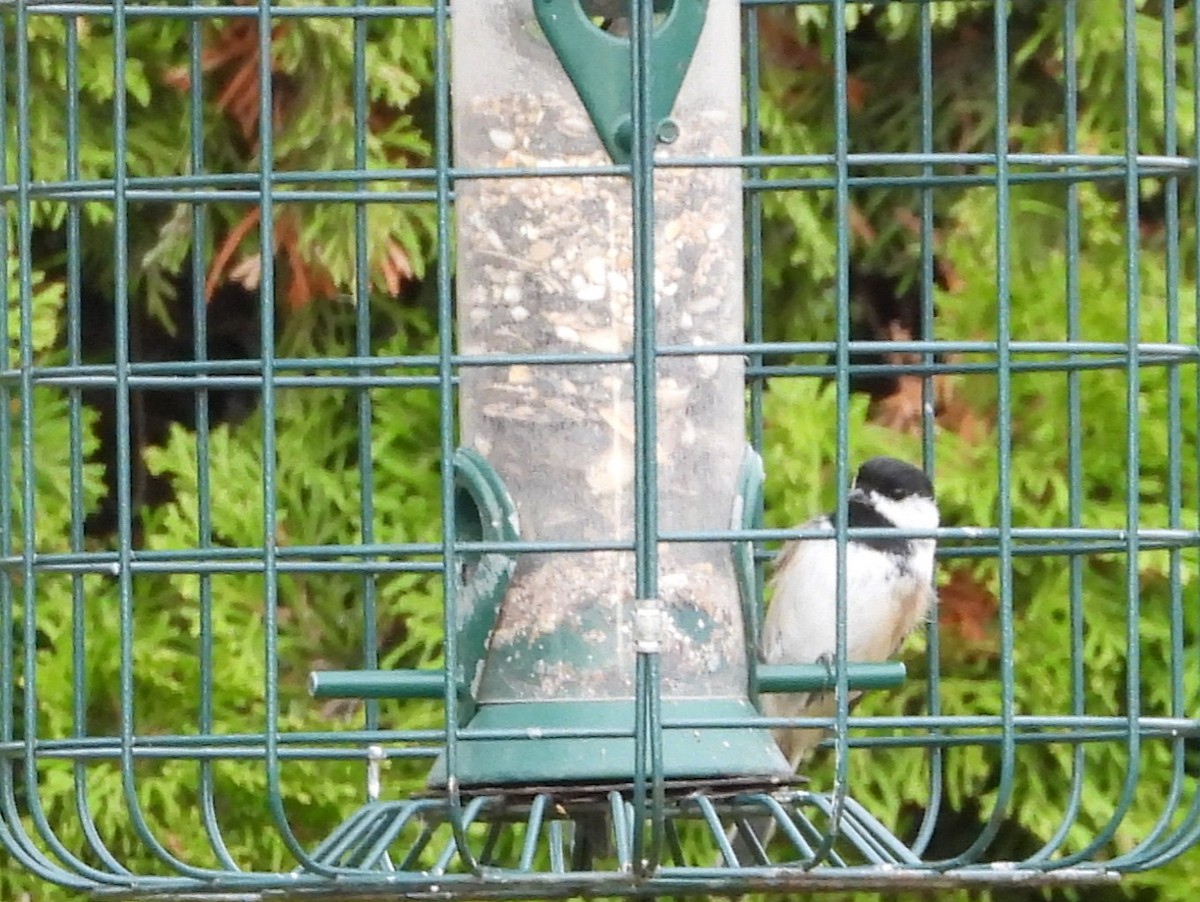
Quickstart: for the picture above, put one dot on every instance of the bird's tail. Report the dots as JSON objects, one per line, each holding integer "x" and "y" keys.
{"x": 592, "y": 840}
{"x": 749, "y": 839}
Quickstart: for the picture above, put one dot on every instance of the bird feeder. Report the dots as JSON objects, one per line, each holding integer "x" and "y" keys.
{"x": 546, "y": 289}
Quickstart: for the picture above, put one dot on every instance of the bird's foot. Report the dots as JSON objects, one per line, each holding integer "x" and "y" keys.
{"x": 827, "y": 661}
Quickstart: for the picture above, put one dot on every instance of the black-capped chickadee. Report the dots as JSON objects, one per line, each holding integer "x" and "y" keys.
{"x": 889, "y": 587}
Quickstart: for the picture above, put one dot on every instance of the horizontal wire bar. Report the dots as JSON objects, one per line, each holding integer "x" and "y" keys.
{"x": 965, "y": 533}
{"x": 1172, "y": 162}
{"x": 975, "y": 180}
{"x": 380, "y": 557}
{"x": 213, "y": 753}
{"x": 139, "y": 11}
{"x": 850, "y": 3}
{"x": 241, "y": 372}
{"x": 1168, "y": 727}
{"x": 188, "y": 566}
{"x": 1072, "y": 549}
{"x": 63, "y": 191}
{"x": 1068, "y": 728}
{"x": 936, "y": 346}
{"x": 356, "y": 736}
{"x": 1031, "y": 729}
{"x": 251, "y": 382}
{"x": 246, "y": 382}
{"x": 959, "y": 368}
{"x": 1040, "y": 737}
{"x": 386, "y": 550}
{"x": 349, "y": 11}
{"x": 231, "y": 185}
{"x": 198, "y": 567}
{"x": 197, "y": 752}
{"x": 667, "y": 880}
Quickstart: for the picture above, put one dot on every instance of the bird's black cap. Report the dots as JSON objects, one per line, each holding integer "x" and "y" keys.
{"x": 893, "y": 479}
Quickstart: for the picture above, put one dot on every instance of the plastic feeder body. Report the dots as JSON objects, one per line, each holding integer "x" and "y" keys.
{"x": 545, "y": 269}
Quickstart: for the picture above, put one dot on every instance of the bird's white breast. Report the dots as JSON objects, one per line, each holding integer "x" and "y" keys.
{"x": 886, "y": 594}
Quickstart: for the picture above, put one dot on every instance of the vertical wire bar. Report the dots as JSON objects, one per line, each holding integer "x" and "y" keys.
{"x": 266, "y": 231}
{"x": 1194, "y": 40}
{"x": 647, "y": 713}
{"x": 7, "y": 620}
{"x": 1004, "y": 434}
{"x": 79, "y": 690}
{"x": 640, "y": 720}
{"x": 29, "y": 727}
{"x": 1131, "y": 178}
{"x": 14, "y": 840}
{"x": 362, "y": 349}
{"x": 26, "y": 506}
{"x": 929, "y": 819}
{"x": 1074, "y": 416}
{"x": 658, "y": 799}
{"x": 1003, "y": 446}
{"x": 266, "y": 369}
{"x": 1150, "y": 844}
{"x": 1132, "y": 440}
{"x": 1190, "y": 829}
{"x": 28, "y": 455}
{"x": 13, "y": 837}
{"x": 752, "y": 205}
{"x": 1192, "y": 820}
{"x": 1187, "y": 832}
{"x": 122, "y": 313}
{"x": 841, "y": 469}
{"x": 446, "y": 406}
{"x": 204, "y": 538}
{"x": 1074, "y": 436}
{"x": 28, "y": 503}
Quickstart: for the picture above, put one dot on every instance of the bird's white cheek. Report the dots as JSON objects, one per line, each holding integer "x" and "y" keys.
{"x": 908, "y": 513}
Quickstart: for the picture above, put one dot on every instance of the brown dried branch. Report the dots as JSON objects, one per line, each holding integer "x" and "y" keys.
{"x": 968, "y": 608}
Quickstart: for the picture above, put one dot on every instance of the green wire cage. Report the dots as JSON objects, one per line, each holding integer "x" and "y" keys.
{"x": 214, "y": 682}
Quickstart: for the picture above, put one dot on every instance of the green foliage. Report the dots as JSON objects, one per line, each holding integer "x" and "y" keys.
{"x": 884, "y": 109}
{"x": 314, "y": 122}
{"x": 800, "y": 443}
{"x": 31, "y": 332}
{"x": 799, "y": 263}
{"x": 320, "y": 494}
{"x": 55, "y": 423}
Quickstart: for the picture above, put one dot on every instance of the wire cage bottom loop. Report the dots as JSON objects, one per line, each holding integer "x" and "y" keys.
{"x": 534, "y": 843}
